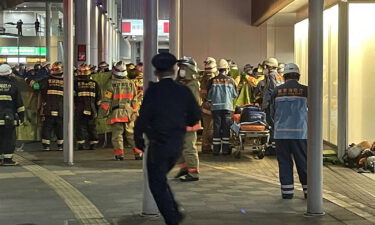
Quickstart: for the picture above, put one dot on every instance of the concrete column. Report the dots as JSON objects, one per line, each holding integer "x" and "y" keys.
{"x": 343, "y": 78}
{"x": 48, "y": 31}
{"x": 68, "y": 82}
{"x": 55, "y": 21}
{"x": 94, "y": 34}
{"x": 82, "y": 28}
{"x": 175, "y": 25}
{"x": 315, "y": 98}
{"x": 1, "y": 18}
{"x": 151, "y": 46}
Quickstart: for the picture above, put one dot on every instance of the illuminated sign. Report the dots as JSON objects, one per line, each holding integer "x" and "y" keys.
{"x": 135, "y": 27}
{"x": 33, "y": 51}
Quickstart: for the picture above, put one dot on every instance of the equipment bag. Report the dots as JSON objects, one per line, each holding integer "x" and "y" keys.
{"x": 253, "y": 115}
{"x": 370, "y": 163}
{"x": 352, "y": 156}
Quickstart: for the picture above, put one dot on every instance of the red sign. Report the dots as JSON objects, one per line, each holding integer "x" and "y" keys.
{"x": 126, "y": 27}
{"x": 81, "y": 53}
{"x": 166, "y": 27}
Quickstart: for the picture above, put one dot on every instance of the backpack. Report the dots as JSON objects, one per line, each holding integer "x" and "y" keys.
{"x": 370, "y": 163}
{"x": 253, "y": 114}
{"x": 352, "y": 156}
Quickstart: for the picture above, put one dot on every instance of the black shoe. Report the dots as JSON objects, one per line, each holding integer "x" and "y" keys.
{"x": 92, "y": 147}
{"x": 181, "y": 173}
{"x": 188, "y": 178}
{"x": 119, "y": 157}
{"x": 287, "y": 196}
{"x": 60, "y": 147}
{"x": 46, "y": 149}
{"x": 215, "y": 153}
{"x": 138, "y": 156}
{"x": 227, "y": 153}
{"x": 206, "y": 151}
{"x": 9, "y": 162}
{"x": 81, "y": 147}
{"x": 305, "y": 196}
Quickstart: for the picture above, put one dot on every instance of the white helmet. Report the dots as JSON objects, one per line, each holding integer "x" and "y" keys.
{"x": 119, "y": 69}
{"x": 5, "y": 70}
{"x": 210, "y": 65}
{"x": 272, "y": 62}
{"x": 223, "y": 64}
{"x": 291, "y": 68}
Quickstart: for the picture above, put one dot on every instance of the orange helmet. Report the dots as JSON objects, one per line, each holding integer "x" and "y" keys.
{"x": 84, "y": 70}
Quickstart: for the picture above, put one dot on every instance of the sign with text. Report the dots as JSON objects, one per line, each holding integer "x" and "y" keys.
{"x": 81, "y": 53}
{"x": 135, "y": 27}
{"x": 24, "y": 51}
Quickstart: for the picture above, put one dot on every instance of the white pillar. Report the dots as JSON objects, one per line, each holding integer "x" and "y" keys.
{"x": 68, "y": 82}
{"x": 175, "y": 25}
{"x": 48, "y": 31}
{"x": 151, "y": 46}
{"x": 94, "y": 34}
{"x": 315, "y": 99}
{"x": 82, "y": 28}
{"x": 55, "y": 21}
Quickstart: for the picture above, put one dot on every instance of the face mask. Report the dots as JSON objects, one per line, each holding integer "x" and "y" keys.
{"x": 182, "y": 73}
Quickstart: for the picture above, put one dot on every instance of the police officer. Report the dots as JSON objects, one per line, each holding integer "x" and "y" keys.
{"x": 11, "y": 114}
{"x": 120, "y": 106}
{"x": 221, "y": 94}
{"x": 167, "y": 109}
{"x": 86, "y": 102}
{"x": 53, "y": 109}
{"x": 289, "y": 112}
{"x": 189, "y": 161}
{"x": 210, "y": 71}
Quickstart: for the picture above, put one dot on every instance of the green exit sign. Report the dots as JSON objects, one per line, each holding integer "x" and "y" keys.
{"x": 32, "y": 51}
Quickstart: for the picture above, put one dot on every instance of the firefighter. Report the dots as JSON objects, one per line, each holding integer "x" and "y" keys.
{"x": 120, "y": 106}
{"x": 137, "y": 78}
{"x": 53, "y": 109}
{"x": 11, "y": 114}
{"x": 86, "y": 102}
{"x": 103, "y": 67}
{"x": 189, "y": 161}
{"x": 210, "y": 70}
{"x": 289, "y": 112}
{"x": 166, "y": 111}
{"x": 222, "y": 93}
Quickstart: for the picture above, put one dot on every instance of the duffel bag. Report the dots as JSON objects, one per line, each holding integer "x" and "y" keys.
{"x": 252, "y": 115}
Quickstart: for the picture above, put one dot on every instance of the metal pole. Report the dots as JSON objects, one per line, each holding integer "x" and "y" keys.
{"x": 175, "y": 31}
{"x": 18, "y": 49}
{"x": 94, "y": 32}
{"x": 315, "y": 99}
{"x": 151, "y": 46}
{"x": 47, "y": 32}
{"x": 68, "y": 82}
{"x": 343, "y": 79}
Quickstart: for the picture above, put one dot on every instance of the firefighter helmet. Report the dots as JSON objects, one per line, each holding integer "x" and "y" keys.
{"x": 210, "y": 65}
{"x": 272, "y": 62}
{"x": 57, "y": 69}
{"x": 281, "y": 68}
{"x": 103, "y": 65}
{"x": 291, "y": 68}
{"x": 119, "y": 70}
{"x": 5, "y": 70}
{"x": 37, "y": 66}
{"x": 188, "y": 62}
{"x": 223, "y": 64}
{"x": 248, "y": 69}
{"x": 84, "y": 70}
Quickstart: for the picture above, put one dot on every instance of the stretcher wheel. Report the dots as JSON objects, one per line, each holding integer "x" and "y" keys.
{"x": 260, "y": 154}
{"x": 237, "y": 154}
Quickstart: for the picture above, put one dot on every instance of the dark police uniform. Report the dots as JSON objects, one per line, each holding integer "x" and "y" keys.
{"x": 167, "y": 109}
{"x": 53, "y": 110}
{"x": 87, "y": 97}
{"x": 289, "y": 112}
{"x": 11, "y": 114}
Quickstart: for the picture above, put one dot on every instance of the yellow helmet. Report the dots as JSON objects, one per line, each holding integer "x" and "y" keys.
{"x": 57, "y": 69}
{"x": 84, "y": 70}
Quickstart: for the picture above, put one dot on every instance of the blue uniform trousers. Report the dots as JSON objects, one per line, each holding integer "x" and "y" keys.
{"x": 162, "y": 157}
{"x": 222, "y": 123}
{"x": 286, "y": 151}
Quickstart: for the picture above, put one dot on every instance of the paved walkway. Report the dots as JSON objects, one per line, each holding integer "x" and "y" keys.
{"x": 98, "y": 190}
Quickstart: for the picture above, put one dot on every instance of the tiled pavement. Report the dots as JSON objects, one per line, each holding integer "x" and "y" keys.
{"x": 230, "y": 192}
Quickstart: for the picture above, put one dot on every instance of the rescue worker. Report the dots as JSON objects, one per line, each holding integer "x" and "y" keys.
{"x": 289, "y": 112}
{"x": 257, "y": 90}
{"x": 210, "y": 71}
{"x": 189, "y": 161}
{"x": 53, "y": 108}
{"x": 139, "y": 67}
{"x": 120, "y": 106}
{"x": 137, "y": 78}
{"x": 280, "y": 69}
{"x": 11, "y": 114}
{"x": 222, "y": 93}
{"x": 86, "y": 102}
{"x": 166, "y": 111}
{"x": 103, "y": 67}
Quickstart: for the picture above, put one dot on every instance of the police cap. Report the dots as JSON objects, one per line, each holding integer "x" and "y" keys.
{"x": 164, "y": 62}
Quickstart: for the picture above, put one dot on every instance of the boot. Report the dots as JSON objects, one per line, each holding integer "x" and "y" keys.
{"x": 9, "y": 162}
{"x": 182, "y": 172}
{"x": 81, "y": 147}
{"x": 188, "y": 178}
{"x": 138, "y": 156}
{"x": 60, "y": 148}
{"x": 119, "y": 157}
{"x": 92, "y": 147}
{"x": 206, "y": 150}
{"x": 46, "y": 147}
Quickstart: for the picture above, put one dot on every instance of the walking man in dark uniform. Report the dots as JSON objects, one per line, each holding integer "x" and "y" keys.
{"x": 11, "y": 115}
{"x": 289, "y": 112}
{"x": 167, "y": 109}
{"x": 19, "y": 27}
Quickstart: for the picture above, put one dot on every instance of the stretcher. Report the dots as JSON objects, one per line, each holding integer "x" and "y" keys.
{"x": 249, "y": 136}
